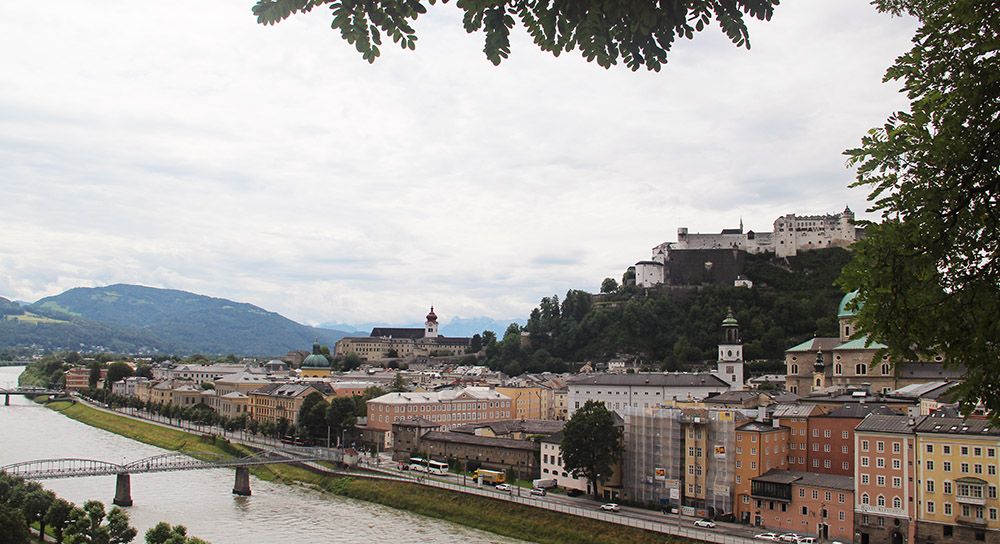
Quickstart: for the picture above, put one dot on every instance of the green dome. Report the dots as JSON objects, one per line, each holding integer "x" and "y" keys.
{"x": 845, "y": 305}
{"x": 730, "y": 320}
{"x": 316, "y": 360}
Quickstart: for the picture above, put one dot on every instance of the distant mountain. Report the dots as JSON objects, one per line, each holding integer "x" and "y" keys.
{"x": 458, "y": 327}
{"x": 133, "y": 318}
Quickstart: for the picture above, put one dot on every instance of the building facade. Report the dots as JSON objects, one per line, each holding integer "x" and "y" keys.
{"x": 885, "y": 482}
{"x": 760, "y": 447}
{"x": 446, "y": 408}
{"x": 643, "y": 390}
{"x": 805, "y": 503}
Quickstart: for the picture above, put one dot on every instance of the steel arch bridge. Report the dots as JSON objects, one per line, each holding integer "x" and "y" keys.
{"x": 47, "y": 469}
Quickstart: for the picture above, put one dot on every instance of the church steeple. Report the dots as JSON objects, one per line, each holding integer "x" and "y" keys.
{"x": 431, "y": 325}
{"x": 730, "y": 366}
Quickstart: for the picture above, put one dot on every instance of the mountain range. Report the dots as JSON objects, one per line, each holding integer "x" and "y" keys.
{"x": 136, "y": 319}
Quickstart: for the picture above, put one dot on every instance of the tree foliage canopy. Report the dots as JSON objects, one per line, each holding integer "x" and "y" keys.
{"x": 639, "y": 34}
{"x": 592, "y": 443}
{"x": 928, "y": 276}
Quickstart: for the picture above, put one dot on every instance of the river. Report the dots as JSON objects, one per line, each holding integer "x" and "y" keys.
{"x": 202, "y": 500}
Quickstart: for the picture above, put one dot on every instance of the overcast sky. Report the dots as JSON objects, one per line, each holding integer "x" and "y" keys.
{"x": 181, "y": 145}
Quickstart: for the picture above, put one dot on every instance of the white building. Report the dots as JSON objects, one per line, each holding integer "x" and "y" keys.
{"x": 551, "y": 465}
{"x": 643, "y": 390}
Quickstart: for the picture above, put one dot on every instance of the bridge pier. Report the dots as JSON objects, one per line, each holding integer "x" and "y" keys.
{"x": 242, "y": 486}
{"x": 6, "y": 399}
{"x": 123, "y": 490}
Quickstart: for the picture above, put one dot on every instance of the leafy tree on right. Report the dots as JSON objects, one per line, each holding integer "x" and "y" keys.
{"x": 928, "y": 275}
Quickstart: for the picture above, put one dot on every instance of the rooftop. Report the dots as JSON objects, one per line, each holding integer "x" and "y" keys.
{"x": 895, "y": 424}
{"x": 957, "y": 425}
{"x": 483, "y": 441}
{"x": 674, "y": 379}
{"x": 814, "y": 479}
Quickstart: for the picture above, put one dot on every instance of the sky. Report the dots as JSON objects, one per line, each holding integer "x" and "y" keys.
{"x": 182, "y": 145}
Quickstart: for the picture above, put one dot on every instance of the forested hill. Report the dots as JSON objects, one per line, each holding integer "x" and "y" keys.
{"x": 792, "y": 300}
{"x": 135, "y": 319}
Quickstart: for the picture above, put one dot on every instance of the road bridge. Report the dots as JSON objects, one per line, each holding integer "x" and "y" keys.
{"x": 45, "y": 469}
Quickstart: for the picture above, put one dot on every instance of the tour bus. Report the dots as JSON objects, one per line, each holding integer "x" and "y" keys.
{"x": 428, "y": 465}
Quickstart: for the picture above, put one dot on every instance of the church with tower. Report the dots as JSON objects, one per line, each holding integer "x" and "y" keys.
{"x": 399, "y": 342}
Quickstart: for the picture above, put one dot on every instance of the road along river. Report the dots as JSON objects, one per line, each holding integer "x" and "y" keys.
{"x": 202, "y": 500}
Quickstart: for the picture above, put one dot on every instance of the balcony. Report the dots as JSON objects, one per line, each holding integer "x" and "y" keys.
{"x": 965, "y": 499}
{"x": 971, "y": 520}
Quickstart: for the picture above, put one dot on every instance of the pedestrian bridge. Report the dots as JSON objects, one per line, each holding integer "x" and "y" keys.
{"x": 45, "y": 469}
{"x": 28, "y": 391}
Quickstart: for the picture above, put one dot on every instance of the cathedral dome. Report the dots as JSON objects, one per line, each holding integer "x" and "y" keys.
{"x": 316, "y": 360}
{"x": 845, "y": 309}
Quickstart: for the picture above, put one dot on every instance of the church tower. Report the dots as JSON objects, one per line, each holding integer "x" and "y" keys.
{"x": 731, "y": 353}
{"x": 431, "y": 326}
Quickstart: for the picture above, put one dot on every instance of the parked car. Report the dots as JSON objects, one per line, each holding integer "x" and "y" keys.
{"x": 807, "y": 540}
{"x": 538, "y": 491}
{"x": 789, "y": 537}
{"x": 574, "y": 493}
{"x": 503, "y": 487}
{"x": 706, "y": 523}
{"x": 610, "y": 507}
{"x": 767, "y": 536}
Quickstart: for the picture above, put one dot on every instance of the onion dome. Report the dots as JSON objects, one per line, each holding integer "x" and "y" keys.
{"x": 846, "y": 303}
{"x": 432, "y": 317}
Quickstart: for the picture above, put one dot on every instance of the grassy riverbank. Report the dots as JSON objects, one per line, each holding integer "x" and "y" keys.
{"x": 496, "y": 516}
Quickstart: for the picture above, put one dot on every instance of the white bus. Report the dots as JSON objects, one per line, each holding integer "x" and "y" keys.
{"x": 428, "y": 465}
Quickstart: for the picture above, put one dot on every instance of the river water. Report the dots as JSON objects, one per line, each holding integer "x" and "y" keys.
{"x": 202, "y": 500}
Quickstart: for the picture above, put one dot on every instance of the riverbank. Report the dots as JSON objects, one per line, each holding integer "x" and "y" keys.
{"x": 496, "y": 516}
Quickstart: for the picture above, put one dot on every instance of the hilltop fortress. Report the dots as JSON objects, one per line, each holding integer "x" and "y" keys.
{"x": 697, "y": 258}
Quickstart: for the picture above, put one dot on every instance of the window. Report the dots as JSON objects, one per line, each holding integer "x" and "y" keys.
{"x": 947, "y": 488}
{"x": 946, "y": 466}
{"x": 880, "y": 462}
{"x": 978, "y": 452}
{"x": 841, "y": 516}
{"x": 991, "y": 452}
{"x": 843, "y": 449}
{"x": 826, "y": 433}
{"x": 864, "y": 445}
{"x": 860, "y": 369}
{"x": 880, "y": 446}
{"x": 947, "y": 508}
{"x": 930, "y": 507}
{"x": 880, "y": 480}
{"x": 991, "y": 470}
{"x": 845, "y": 435}
{"x": 746, "y": 499}
{"x": 896, "y": 447}
{"x": 897, "y": 503}
{"x": 930, "y": 448}
{"x": 739, "y": 464}
{"x": 965, "y": 468}
{"x": 896, "y": 464}
{"x": 897, "y": 482}
{"x": 964, "y": 450}
{"x": 805, "y": 510}
{"x": 946, "y": 450}
{"x": 827, "y": 496}
{"x": 802, "y": 492}
{"x": 845, "y": 465}
{"x": 977, "y": 468}
{"x": 946, "y": 530}
{"x": 826, "y": 448}
{"x": 930, "y": 486}
{"x": 930, "y": 465}
{"x": 865, "y": 499}
{"x": 815, "y": 494}
{"x": 841, "y": 498}
{"x": 993, "y": 514}
{"x": 864, "y": 479}
{"x": 864, "y": 461}
{"x": 880, "y": 501}
{"x": 815, "y": 433}
{"x": 815, "y": 463}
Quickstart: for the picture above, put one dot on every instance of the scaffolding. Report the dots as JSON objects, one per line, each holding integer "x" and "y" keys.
{"x": 653, "y": 464}
{"x": 722, "y": 462}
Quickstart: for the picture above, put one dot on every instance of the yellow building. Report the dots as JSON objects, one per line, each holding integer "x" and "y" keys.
{"x": 957, "y": 480}
{"x": 279, "y": 400}
{"x": 530, "y": 402}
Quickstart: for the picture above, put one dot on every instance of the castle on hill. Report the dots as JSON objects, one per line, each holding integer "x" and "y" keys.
{"x": 717, "y": 258}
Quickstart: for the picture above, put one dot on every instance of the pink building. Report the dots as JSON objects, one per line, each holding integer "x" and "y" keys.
{"x": 446, "y": 408}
